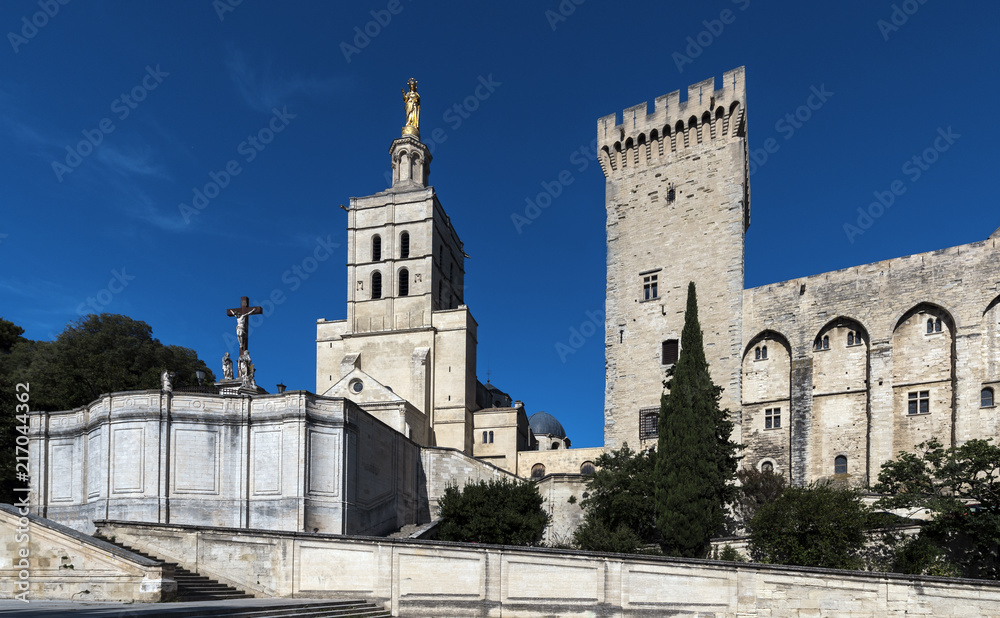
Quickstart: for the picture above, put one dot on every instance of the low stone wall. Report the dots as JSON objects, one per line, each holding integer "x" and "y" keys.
{"x": 423, "y": 578}
{"x": 50, "y": 561}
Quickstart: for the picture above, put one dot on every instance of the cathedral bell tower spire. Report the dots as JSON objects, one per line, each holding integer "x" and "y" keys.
{"x": 410, "y": 157}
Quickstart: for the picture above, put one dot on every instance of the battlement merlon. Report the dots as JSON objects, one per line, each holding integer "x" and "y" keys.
{"x": 668, "y": 109}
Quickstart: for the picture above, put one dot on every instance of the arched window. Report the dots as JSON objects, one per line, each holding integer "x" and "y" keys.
{"x": 404, "y": 282}
{"x": 850, "y": 338}
{"x": 826, "y": 342}
{"x": 767, "y": 466}
{"x": 840, "y": 464}
{"x": 763, "y": 353}
{"x": 930, "y": 325}
{"x": 555, "y": 445}
{"x": 376, "y": 248}
{"x": 818, "y": 344}
{"x": 537, "y": 471}
{"x": 986, "y": 398}
{"x": 404, "y": 245}
{"x": 937, "y": 325}
{"x": 484, "y": 437}
{"x": 756, "y": 353}
{"x": 587, "y": 468}
{"x": 491, "y": 437}
{"x": 376, "y": 285}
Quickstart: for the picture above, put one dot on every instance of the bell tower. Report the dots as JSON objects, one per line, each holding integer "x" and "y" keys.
{"x": 407, "y": 326}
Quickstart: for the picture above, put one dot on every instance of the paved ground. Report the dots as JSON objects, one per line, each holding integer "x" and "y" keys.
{"x": 52, "y": 609}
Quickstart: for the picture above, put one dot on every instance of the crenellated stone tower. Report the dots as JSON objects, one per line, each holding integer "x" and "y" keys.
{"x": 678, "y": 205}
{"x": 409, "y": 341}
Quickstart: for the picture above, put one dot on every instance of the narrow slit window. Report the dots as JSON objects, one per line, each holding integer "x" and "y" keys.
{"x": 404, "y": 245}
{"x": 376, "y": 248}
{"x": 404, "y": 282}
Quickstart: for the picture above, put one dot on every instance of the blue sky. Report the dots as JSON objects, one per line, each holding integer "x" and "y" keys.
{"x": 171, "y": 93}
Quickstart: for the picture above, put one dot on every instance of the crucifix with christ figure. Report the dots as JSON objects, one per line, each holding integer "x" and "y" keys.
{"x": 242, "y": 315}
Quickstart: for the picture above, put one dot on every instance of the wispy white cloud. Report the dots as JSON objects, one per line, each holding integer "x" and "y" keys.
{"x": 131, "y": 160}
{"x": 262, "y": 88}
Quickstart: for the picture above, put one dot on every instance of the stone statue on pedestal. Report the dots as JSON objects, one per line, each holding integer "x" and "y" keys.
{"x": 166, "y": 381}
{"x": 227, "y": 367}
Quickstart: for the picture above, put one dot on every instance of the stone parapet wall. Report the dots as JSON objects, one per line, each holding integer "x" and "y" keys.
{"x": 48, "y": 561}
{"x": 424, "y": 578}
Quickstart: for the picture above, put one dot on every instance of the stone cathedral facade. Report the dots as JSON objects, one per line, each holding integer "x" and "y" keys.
{"x": 827, "y": 376}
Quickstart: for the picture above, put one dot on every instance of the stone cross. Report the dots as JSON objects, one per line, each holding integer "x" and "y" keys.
{"x": 242, "y": 315}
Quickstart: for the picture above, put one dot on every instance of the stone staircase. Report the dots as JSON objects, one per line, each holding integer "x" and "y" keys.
{"x": 198, "y": 589}
{"x": 192, "y": 586}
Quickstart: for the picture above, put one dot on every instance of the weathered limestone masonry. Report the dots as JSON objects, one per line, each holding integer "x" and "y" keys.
{"x": 422, "y": 578}
{"x": 678, "y": 205}
{"x": 61, "y": 563}
{"x": 407, "y": 327}
{"x": 850, "y": 351}
{"x": 294, "y": 461}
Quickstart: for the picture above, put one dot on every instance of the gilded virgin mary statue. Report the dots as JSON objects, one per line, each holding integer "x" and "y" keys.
{"x": 411, "y": 101}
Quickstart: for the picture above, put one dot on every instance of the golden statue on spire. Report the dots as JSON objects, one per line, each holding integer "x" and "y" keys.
{"x": 411, "y": 102}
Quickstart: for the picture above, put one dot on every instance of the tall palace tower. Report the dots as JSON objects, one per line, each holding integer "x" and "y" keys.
{"x": 678, "y": 205}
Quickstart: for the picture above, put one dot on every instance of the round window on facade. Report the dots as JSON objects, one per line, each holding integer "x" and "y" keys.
{"x": 357, "y": 386}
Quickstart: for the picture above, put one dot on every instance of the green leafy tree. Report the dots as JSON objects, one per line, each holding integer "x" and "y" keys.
{"x": 961, "y": 487}
{"x": 755, "y": 489}
{"x": 102, "y": 354}
{"x": 499, "y": 511}
{"x": 10, "y": 338}
{"x": 94, "y": 355}
{"x": 822, "y": 525}
{"x": 696, "y": 460}
{"x": 619, "y": 515}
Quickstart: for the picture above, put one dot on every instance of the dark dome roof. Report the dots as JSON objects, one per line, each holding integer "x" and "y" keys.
{"x": 543, "y": 422}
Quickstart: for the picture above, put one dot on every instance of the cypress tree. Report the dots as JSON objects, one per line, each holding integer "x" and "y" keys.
{"x": 695, "y": 461}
